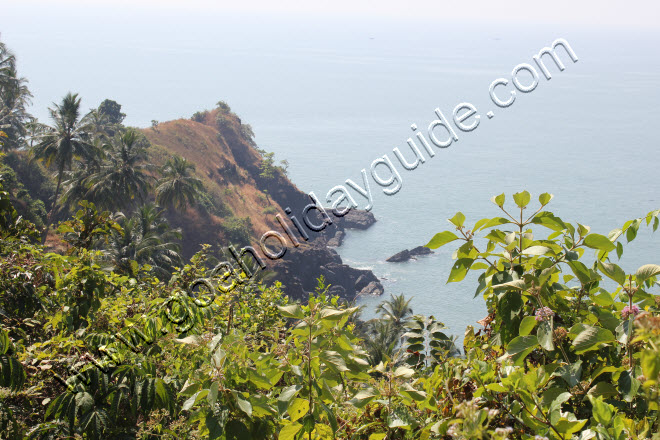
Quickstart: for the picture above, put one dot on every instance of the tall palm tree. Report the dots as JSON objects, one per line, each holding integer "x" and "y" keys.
{"x": 122, "y": 178}
{"x": 14, "y": 99}
{"x": 76, "y": 183}
{"x": 178, "y": 188}
{"x": 146, "y": 238}
{"x": 397, "y": 310}
{"x": 380, "y": 340}
{"x": 69, "y": 138}
{"x": 382, "y": 336}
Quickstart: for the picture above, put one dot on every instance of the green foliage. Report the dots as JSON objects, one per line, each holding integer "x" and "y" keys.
{"x": 14, "y": 100}
{"x": 199, "y": 116}
{"x": 237, "y": 230}
{"x": 29, "y": 208}
{"x": 267, "y": 168}
{"x": 67, "y": 140}
{"x": 94, "y": 351}
{"x": 88, "y": 228}
{"x": 122, "y": 180}
{"x": 566, "y": 360}
{"x": 112, "y": 110}
{"x": 177, "y": 187}
{"x": 223, "y": 107}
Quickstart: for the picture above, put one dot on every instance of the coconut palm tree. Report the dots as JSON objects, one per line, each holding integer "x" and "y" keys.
{"x": 146, "y": 238}
{"x": 69, "y": 138}
{"x": 397, "y": 310}
{"x": 178, "y": 188}
{"x": 122, "y": 178}
{"x": 14, "y": 99}
{"x": 380, "y": 340}
{"x": 382, "y": 336}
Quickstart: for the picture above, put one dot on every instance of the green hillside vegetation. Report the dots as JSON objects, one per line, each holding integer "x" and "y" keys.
{"x": 97, "y": 347}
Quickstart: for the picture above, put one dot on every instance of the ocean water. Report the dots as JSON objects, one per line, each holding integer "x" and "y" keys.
{"x": 332, "y": 96}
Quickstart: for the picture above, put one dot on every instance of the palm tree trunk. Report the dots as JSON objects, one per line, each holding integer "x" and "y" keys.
{"x": 44, "y": 236}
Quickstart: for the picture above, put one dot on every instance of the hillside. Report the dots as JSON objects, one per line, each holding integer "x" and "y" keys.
{"x": 245, "y": 203}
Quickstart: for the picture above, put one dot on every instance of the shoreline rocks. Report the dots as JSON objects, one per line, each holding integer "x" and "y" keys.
{"x": 406, "y": 254}
{"x": 298, "y": 273}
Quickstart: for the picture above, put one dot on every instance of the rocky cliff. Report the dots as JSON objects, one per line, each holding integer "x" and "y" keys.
{"x": 244, "y": 202}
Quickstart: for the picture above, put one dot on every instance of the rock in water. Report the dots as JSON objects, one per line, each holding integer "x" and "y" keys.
{"x": 358, "y": 219}
{"x": 406, "y": 254}
{"x": 420, "y": 250}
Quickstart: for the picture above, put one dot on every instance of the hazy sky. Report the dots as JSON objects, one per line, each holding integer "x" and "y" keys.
{"x": 630, "y": 14}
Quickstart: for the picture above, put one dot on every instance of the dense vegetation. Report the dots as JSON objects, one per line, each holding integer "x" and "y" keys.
{"x": 97, "y": 351}
{"x": 116, "y": 337}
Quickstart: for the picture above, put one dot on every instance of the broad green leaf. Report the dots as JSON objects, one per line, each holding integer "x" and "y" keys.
{"x": 581, "y": 271}
{"x": 242, "y": 403}
{"x": 441, "y": 239}
{"x": 458, "y": 219}
{"x": 570, "y": 425}
{"x": 199, "y": 395}
{"x": 308, "y": 423}
{"x": 527, "y": 325}
{"x": 536, "y": 250}
{"x": 289, "y": 431}
{"x": 545, "y": 198}
{"x": 583, "y": 230}
{"x": 591, "y": 338}
{"x": 571, "y": 373}
{"x": 498, "y": 200}
{"x": 549, "y": 220}
{"x": 604, "y": 389}
{"x": 601, "y": 411}
{"x": 619, "y": 250}
{"x": 496, "y": 221}
{"x": 516, "y": 284}
{"x": 498, "y": 388}
{"x": 298, "y": 408}
{"x": 293, "y": 311}
{"x": 628, "y": 386}
{"x": 289, "y": 392}
{"x": 600, "y": 242}
{"x": 213, "y": 393}
{"x": 650, "y": 361}
{"x": 416, "y": 395}
{"x": 334, "y": 359}
{"x": 544, "y": 335}
{"x": 460, "y": 269}
{"x": 362, "y": 398}
{"x": 520, "y": 347}
{"x": 645, "y": 272}
{"x": 612, "y": 271}
{"x": 522, "y": 198}
{"x": 404, "y": 372}
{"x": 218, "y": 358}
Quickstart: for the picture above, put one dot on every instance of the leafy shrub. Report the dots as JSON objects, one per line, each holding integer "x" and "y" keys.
{"x": 199, "y": 116}
{"x": 237, "y": 229}
{"x": 562, "y": 355}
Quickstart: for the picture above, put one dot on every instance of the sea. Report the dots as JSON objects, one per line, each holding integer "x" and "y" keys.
{"x": 332, "y": 95}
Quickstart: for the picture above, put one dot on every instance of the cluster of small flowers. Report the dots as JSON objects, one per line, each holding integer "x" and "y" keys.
{"x": 627, "y": 311}
{"x": 452, "y": 431}
{"x": 560, "y": 333}
{"x": 540, "y": 437}
{"x": 493, "y": 413}
{"x": 504, "y": 431}
{"x": 544, "y": 314}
